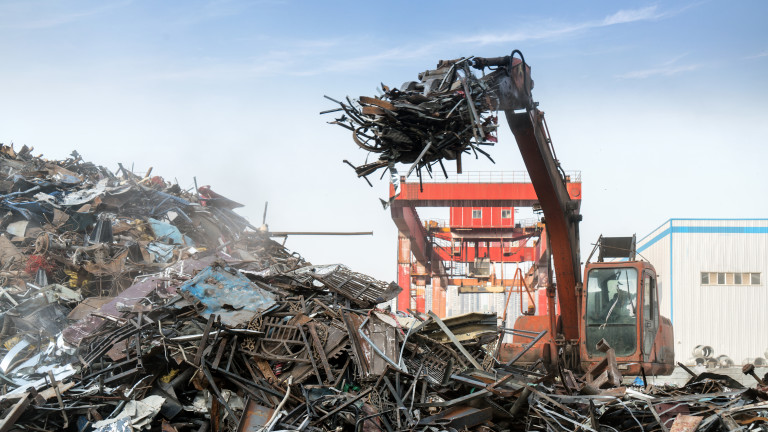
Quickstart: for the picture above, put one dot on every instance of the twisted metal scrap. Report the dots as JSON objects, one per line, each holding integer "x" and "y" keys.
{"x": 421, "y": 123}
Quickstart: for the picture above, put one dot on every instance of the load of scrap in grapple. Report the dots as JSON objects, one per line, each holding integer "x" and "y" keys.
{"x": 443, "y": 115}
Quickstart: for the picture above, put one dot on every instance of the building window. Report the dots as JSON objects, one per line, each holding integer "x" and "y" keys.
{"x": 506, "y": 213}
{"x": 477, "y": 214}
{"x": 730, "y": 278}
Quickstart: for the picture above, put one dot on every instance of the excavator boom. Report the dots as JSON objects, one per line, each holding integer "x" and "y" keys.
{"x": 561, "y": 213}
{"x": 620, "y": 313}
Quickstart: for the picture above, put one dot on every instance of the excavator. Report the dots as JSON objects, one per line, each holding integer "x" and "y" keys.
{"x": 618, "y": 309}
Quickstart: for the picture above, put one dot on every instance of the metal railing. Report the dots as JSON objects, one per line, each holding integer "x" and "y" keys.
{"x": 444, "y": 223}
{"x": 486, "y": 177}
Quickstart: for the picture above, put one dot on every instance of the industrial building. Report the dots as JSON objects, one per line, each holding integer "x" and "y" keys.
{"x": 711, "y": 275}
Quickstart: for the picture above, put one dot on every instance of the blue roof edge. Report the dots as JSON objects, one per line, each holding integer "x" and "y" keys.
{"x": 698, "y": 219}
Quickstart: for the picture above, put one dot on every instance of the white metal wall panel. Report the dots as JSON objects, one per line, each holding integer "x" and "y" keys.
{"x": 730, "y": 318}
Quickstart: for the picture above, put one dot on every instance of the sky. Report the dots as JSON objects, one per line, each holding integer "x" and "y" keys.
{"x": 660, "y": 105}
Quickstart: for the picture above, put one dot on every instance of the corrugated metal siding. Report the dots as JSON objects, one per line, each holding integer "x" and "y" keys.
{"x": 730, "y": 318}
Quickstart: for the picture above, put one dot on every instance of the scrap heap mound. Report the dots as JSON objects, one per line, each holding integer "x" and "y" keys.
{"x": 129, "y": 304}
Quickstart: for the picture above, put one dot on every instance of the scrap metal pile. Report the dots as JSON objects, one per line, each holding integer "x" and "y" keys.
{"x": 130, "y": 304}
{"x": 440, "y": 117}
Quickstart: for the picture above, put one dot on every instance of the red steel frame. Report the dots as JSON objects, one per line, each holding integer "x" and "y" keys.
{"x": 491, "y": 239}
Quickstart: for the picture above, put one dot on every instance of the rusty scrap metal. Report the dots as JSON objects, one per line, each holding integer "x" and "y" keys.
{"x": 175, "y": 332}
{"x": 749, "y": 369}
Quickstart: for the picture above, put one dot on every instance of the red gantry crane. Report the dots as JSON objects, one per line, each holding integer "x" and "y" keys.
{"x": 481, "y": 231}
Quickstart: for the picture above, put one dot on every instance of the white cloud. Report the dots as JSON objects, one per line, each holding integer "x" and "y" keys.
{"x": 9, "y": 16}
{"x": 541, "y": 31}
{"x": 758, "y": 55}
{"x": 215, "y": 10}
{"x": 520, "y": 36}
{"x": 668, "y": 70}
{"x": 367, "y": 61}
{"x": 316, "y": 57}
{"x": 632, "y": 15}
{"x": 295, "y": 57}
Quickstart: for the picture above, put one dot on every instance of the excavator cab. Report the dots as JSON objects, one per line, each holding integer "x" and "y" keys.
{"x": 620, "y": 303}
{"x": 611, "y": 309}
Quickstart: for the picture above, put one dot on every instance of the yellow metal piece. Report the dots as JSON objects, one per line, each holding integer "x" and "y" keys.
{"x": 74, "y": 280}
{"x": 10, "y": 343}
{"x": 167, "y": 378}
{"x": 145, "y": 230}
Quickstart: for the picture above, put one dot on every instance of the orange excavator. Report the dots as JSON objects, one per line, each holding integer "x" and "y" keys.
{"x": 618, "y": 304}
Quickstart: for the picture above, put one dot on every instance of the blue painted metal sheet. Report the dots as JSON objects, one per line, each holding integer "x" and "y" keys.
{"x": 226, "y": 292}
{"x": 167, "y": 233}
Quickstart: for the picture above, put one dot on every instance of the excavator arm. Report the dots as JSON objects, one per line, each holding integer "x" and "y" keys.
{"x": 633, "y": 335}
{"x": 513, "y": 85}
{"x": 512, "y": 82}
{"x": 561, "y": 213}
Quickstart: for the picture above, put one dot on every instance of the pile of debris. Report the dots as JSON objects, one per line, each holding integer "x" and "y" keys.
{"x": 130, "y": 304}
{"x": 441, "y": 116}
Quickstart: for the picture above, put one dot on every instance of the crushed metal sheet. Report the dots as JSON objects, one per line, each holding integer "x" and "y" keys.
{"x": 228, "y": 294}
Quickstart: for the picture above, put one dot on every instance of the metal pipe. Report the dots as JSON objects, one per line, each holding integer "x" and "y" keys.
{"x": 329, "y": 233}
{"x": 275, "y": 415}
{"x": 520, "y": 401}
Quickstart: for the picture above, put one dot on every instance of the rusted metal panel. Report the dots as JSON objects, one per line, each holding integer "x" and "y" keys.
{"x": 686, "y": 423}
{"x": 255, "y": 417}
{"x": 458, "y": 417}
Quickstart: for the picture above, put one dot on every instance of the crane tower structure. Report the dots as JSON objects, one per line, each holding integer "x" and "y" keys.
{"x": 481, "y": 232}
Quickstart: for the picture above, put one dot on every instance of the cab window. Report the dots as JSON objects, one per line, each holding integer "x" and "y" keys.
{"x": 612, "y": 309}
